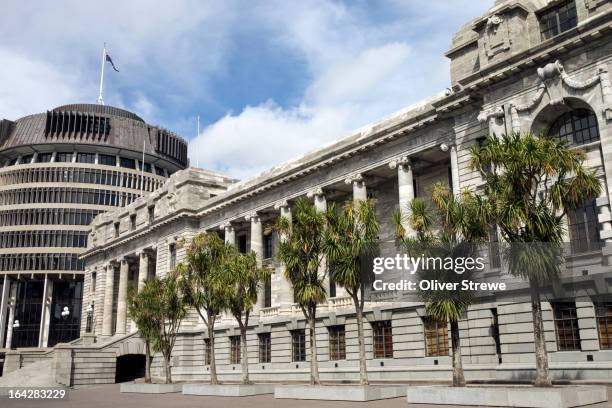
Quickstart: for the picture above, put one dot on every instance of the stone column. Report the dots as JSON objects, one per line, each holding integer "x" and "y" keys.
{"x": 122, "y": 297}
{"x": 360, "y": 192}
{"x": 230, "y": 233}
{"x": 109, "y": 289}
{"x": 284, "y": 289}
{"x": 405, "y": 185}
{"x": 4, "y": 308}
{"x": 257, "y": 247}
{"x": 143, "y": 269}
{"x": 454, "y": 170}
{"x": 11, "y": 313}
{"x": 45, "y": 318}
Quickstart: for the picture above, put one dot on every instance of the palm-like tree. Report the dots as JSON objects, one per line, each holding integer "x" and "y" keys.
{"x": 350, "y": 238}
{"x": 530, "y": 185}
{"x": 140, "y": 311}
{"x": 459, "y": 228}
{"x": 244, "y": 277}
{"x": 301, "y": 253}
{"x": 203, "y": 281}
{"x": 167, "y": 307}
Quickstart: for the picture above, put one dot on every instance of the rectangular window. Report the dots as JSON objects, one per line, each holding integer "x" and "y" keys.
{"x": 107, "y": 160}
{"x": 583, "y": 228}
{"x": 234, "y": 349}
{"x": 337, "y": 343}
{"x": 298, "y": 345}
{"x": 127, "y": 163}
{"x": 268, "y": 292}
{"x": 172, "y": 256}
{"x": 566, "y": 326}
{"x": 603, "y": 313}
{"x": 63, "y": 157}
{"x": 382, "y": 339}
{"x": 86, "y": 158}
{"x": 265, "y": 347}
{"x": 132, "y": 222}
{"x": 207, "y": 352}
{"x": 436, "y": 337}
{"x": 43, "y": 157}
{"x": 26, "y": 159}
{"x": 557, "y": 19}
{"x": 151, "y": 212}
{"x": 267, "y": 246}
{"x": 116, "y": 229}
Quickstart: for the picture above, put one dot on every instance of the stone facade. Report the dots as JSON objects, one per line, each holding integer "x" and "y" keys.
{"x": 504, "y": 77}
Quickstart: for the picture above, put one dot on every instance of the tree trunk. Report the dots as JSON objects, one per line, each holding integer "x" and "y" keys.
{"x": 363, "y": 369}
{"x": 168, "y": 370}
{"x": 147, "y": 362}
{"x": 213, "y": 363}
{"x": 314, "y": 364}
{"x": 458, "y": 377}
{"x": 244, "y": 360}
{"x": 542, "y": 378}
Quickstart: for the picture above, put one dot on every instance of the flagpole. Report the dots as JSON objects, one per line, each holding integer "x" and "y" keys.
{"x": 100, "y": 99}
{"x": 198, "y": 160}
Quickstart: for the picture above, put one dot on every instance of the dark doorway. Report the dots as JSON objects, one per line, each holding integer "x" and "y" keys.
{"x": 129, "y": 367}
{"x": 65, "y": 328}
{"x": 28, "y": 307}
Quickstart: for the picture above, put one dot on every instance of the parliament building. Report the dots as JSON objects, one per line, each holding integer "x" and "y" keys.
{"x": 524, "y": 66}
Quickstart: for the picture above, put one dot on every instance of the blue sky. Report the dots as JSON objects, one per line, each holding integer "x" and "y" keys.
{"x": 270, "y": 80}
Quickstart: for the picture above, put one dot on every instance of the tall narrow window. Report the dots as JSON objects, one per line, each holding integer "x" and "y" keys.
{"x": 298, "y": 345}
{"x": 172, "y": 256}
{"x": 132, "y": 222}
{"x": 151, "y": 212}
{"x": 267, "y": 246}
{"x": 436, "y": 337}
{"x": 583, "y": 228}
{"x": 566, "y": 326}
{"x": 557, "y": 19}
{"x": 337, "y": 343}
{"x": 268, "y": 292}
{"x": 235, "y": 350}
{"x": 116, "y": 229}
{"x": 382, "y": 339}
{"x": 265, "y": 347}
{"x": 603, "y": 313}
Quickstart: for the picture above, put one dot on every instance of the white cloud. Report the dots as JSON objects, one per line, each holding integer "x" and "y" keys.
{"x": 360, "y": 71}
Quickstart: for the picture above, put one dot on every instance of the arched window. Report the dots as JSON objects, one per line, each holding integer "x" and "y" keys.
{"x": 575, "y": 127}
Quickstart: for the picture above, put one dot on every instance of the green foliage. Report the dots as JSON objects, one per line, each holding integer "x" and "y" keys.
{"x": 301, "y": 252}
{"x": 350, "y": 239}
{"x": 530, "y": 185}
{"x": 140, "y": 310}
{"x": 203, "y": 275}
{"x": 243, "y": 277}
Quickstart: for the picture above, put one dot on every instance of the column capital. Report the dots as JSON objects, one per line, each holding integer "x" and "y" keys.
{"x": 354, "y": 178}
{"x": 226, "y": 225}
{"x": 402, "y": 163}
{"x": 281, "y": 205}
{"x": 315, "y": 192}
{"x": 252, "y": 217}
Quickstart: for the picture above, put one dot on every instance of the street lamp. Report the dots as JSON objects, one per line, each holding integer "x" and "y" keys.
{"x": 65, "y": 312}
{"x": 16, "y": 324}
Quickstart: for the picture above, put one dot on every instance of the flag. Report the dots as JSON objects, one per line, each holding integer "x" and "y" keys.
{"x": 108, "y": 59}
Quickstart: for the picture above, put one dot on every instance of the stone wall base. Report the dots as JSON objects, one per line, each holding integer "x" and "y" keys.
{"x": 508, "y": 396}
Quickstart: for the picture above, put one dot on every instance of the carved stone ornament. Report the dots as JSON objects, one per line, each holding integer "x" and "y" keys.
{"x": 355, "y": 178}
{"x": 252, "y": 217}
{"x": 554, "y": 82}
{"x": 495, "y": 19}
{"x": 315, "y": 192}
{"x": 400, "y": 162}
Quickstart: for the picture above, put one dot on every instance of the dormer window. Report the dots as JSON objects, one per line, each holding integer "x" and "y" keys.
{"x": 558, "y": 18}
